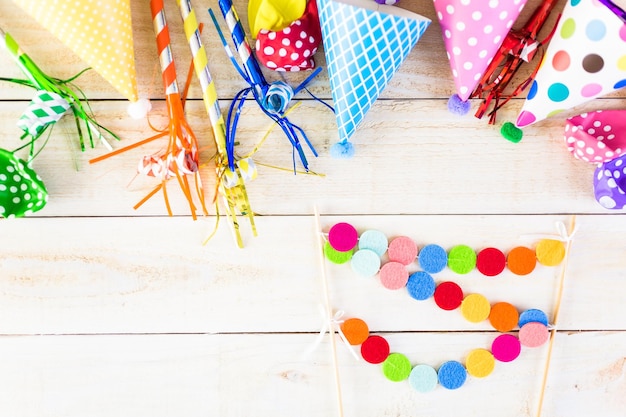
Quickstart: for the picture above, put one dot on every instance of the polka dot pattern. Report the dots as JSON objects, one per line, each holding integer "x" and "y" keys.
{"x": 596, "y": 137}
{"x": 609, "y": 184}
{"x": 98, "y": 31}
{"x": 292, "y": 48}
{"x": 472, "y": 32}
{"x": 585, "y": 59}
{"x": 22, "y": 191}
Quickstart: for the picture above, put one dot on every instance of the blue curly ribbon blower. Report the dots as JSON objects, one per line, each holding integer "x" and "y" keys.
{"x": 273, "y": 99}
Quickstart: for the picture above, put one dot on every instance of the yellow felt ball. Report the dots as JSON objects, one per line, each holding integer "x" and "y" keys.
{"x": 550, "y": 252}
{"x": 273, "y": 15}
{"x": 480, "y": 363}
{"x": 475, "y": 308}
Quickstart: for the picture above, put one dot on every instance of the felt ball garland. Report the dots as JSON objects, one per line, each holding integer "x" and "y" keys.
{"x": 365, "y": 254}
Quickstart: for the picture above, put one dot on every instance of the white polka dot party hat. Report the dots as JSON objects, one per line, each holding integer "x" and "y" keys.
{"x": 364, "y": 44}
{"x": 586, "y": 59}
{"x": 98, "y": 31}
{"x": 473, "y": 31}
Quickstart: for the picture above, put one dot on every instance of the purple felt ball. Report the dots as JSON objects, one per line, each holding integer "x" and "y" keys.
{"x": 458, "y": 106}
{"x": 388, "y": 2}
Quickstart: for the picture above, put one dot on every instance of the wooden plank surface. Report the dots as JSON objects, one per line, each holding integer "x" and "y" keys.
{"x": 235, "y": 375}
{"x": 106, "y": 310}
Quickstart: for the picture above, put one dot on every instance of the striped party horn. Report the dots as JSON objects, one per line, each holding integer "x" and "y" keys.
{"x": 241, "y": 43}
{"x": 271, "y": 98}
{"x": 182, "y": 155}
{"x": 231, "y": 182}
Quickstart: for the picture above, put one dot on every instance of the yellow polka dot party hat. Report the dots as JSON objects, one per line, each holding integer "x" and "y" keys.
{"x": 98, "y": 31}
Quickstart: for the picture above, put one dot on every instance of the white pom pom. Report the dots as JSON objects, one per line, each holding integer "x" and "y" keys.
{"x": 140, "y": 108}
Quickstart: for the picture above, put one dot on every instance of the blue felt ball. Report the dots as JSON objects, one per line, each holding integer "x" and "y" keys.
{"x": 452, "y": 375}
{"x": 342, "y": 150}
{"x": 433, "y": 258}
{"x": 458, "y": 106}
{"x": 532, "y": 315}
{"x": 420, "y": 285}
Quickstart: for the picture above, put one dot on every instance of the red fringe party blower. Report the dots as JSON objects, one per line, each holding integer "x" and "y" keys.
{"x": 519, "y": 46}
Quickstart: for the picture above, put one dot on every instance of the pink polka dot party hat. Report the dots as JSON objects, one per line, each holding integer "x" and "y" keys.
{"x": 473, "y": 30}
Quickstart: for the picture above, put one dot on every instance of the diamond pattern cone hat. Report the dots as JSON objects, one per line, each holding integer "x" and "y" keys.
{"x": 586, "y": 59}
{"x": 364, "y": 44}
{"x": 473, "y": 31}
{"x": 98, "y": 31}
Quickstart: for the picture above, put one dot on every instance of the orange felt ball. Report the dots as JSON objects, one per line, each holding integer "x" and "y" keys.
{"x": 355, "y": 330}
{"x": 503, "y": 317}
{"x": 521, "y": 260}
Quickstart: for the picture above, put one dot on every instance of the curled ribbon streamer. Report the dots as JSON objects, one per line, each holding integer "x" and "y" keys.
{"x": 329, "y": 325}
{"x": 273, "y": 99}
{"x": 45, "y": 108}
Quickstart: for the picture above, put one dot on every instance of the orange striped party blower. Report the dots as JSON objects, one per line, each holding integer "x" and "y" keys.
{"x": 180, "y": 159}
{"x": 230, "y": 181}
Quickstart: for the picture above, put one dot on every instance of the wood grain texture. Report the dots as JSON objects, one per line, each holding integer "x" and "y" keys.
{"x": 110, "y": 311}
{"x": 235, "y": 375}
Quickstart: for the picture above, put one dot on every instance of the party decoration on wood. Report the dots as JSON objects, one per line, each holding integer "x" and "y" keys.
{"x": 609, "y": 184}
{"x": 273, "y": 99}
{"x": 365, "y": 252}
{"x": 99, "y": 32}
{"x": 473, "y": 32}
{"x": 22, "y": 191}
{"x": 232, "y": 181}
{"x": 599, "y": 138}
{"x": 180, "y": 159}
{"x": 52, "y": 100}
{"x": 365, "y": 43}
{"x": 586, "y": 59}
{"x": 518, "y": 47}
{"x": 292, "y": 48}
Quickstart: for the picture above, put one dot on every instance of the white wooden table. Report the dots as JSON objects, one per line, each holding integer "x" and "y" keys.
{"x": 110, "y": 311}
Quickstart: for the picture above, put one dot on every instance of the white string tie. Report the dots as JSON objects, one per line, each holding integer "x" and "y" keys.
{"x": 330, "y": 324}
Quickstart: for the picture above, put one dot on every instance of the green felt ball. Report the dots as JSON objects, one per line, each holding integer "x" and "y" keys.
{"x": 461, "y": 259}
{"x": 336, "y": 256}
{"x": 22, "y": 191}
{"x": 511, "y": 132}
{"x": 396, "y": 367}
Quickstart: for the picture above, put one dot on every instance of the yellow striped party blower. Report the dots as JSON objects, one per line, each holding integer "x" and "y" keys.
{"x": 22, "y": 191}
{"x": 231, "y": 182}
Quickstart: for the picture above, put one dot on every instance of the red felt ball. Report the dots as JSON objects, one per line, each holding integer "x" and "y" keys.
{"x": 490, "y": 261}
{"x": 375, "y": 349}
{"x": 448, "y": 295}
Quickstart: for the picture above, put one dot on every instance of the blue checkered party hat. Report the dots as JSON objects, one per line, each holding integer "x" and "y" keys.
{"x": 364, "y": 44}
